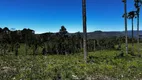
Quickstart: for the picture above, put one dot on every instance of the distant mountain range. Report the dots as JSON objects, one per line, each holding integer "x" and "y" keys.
{"x": 106, "y": 34}
{"x": 103, "y": 34}
{"x": 135, "y": 33}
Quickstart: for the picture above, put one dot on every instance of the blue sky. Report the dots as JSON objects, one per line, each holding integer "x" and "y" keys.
{"x": 50, "y": 15}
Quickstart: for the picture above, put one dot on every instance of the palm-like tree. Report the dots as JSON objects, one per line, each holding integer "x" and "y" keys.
{"x": 131, "y": 15}
{"x": 84, "y": 29}
{"x": 137, "y": 6}
{"x": 125, "y": 19}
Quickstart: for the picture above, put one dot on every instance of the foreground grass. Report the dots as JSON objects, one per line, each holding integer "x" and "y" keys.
{"x": 102, "y": 65}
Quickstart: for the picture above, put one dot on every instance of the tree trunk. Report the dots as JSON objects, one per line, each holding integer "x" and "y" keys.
{"x": 132, "y": 36}
{"x": 26, "y": 48}
{"x": 138, "y": 32}
{"x": 84, "y": 29}
{"x": 94, "y": 45}
{"x": 81, "y": 45}
{"x": 125, "y": 19}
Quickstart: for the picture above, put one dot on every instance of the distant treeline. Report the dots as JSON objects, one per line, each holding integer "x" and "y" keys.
{"x": 61, "y": 42}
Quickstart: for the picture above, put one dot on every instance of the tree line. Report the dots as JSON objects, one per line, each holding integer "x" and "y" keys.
{"x": 61, "y": 42}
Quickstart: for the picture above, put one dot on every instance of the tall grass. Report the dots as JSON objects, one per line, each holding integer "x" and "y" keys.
{"x": 102, "y": 65}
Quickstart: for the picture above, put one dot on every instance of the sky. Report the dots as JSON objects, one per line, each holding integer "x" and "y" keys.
{"x": 49, "y": 15}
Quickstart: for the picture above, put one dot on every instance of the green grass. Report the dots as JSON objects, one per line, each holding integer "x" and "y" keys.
{"x": 103, "y": 66}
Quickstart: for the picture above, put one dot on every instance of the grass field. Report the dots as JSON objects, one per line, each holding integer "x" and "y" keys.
{"x": 102, "y": 65}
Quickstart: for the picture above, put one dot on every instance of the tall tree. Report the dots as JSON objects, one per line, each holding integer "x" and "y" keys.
{"x": 27, "y": 36}
{"x": 63, "y": 30}
{"x": 63, "y": 34}
{"x": 84, "y": 29}
{"x": 125, "y": 21}
{"x": 6, "y": 30}
{"x": 137, "y": 6}
{"x": 131, "y": 16}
